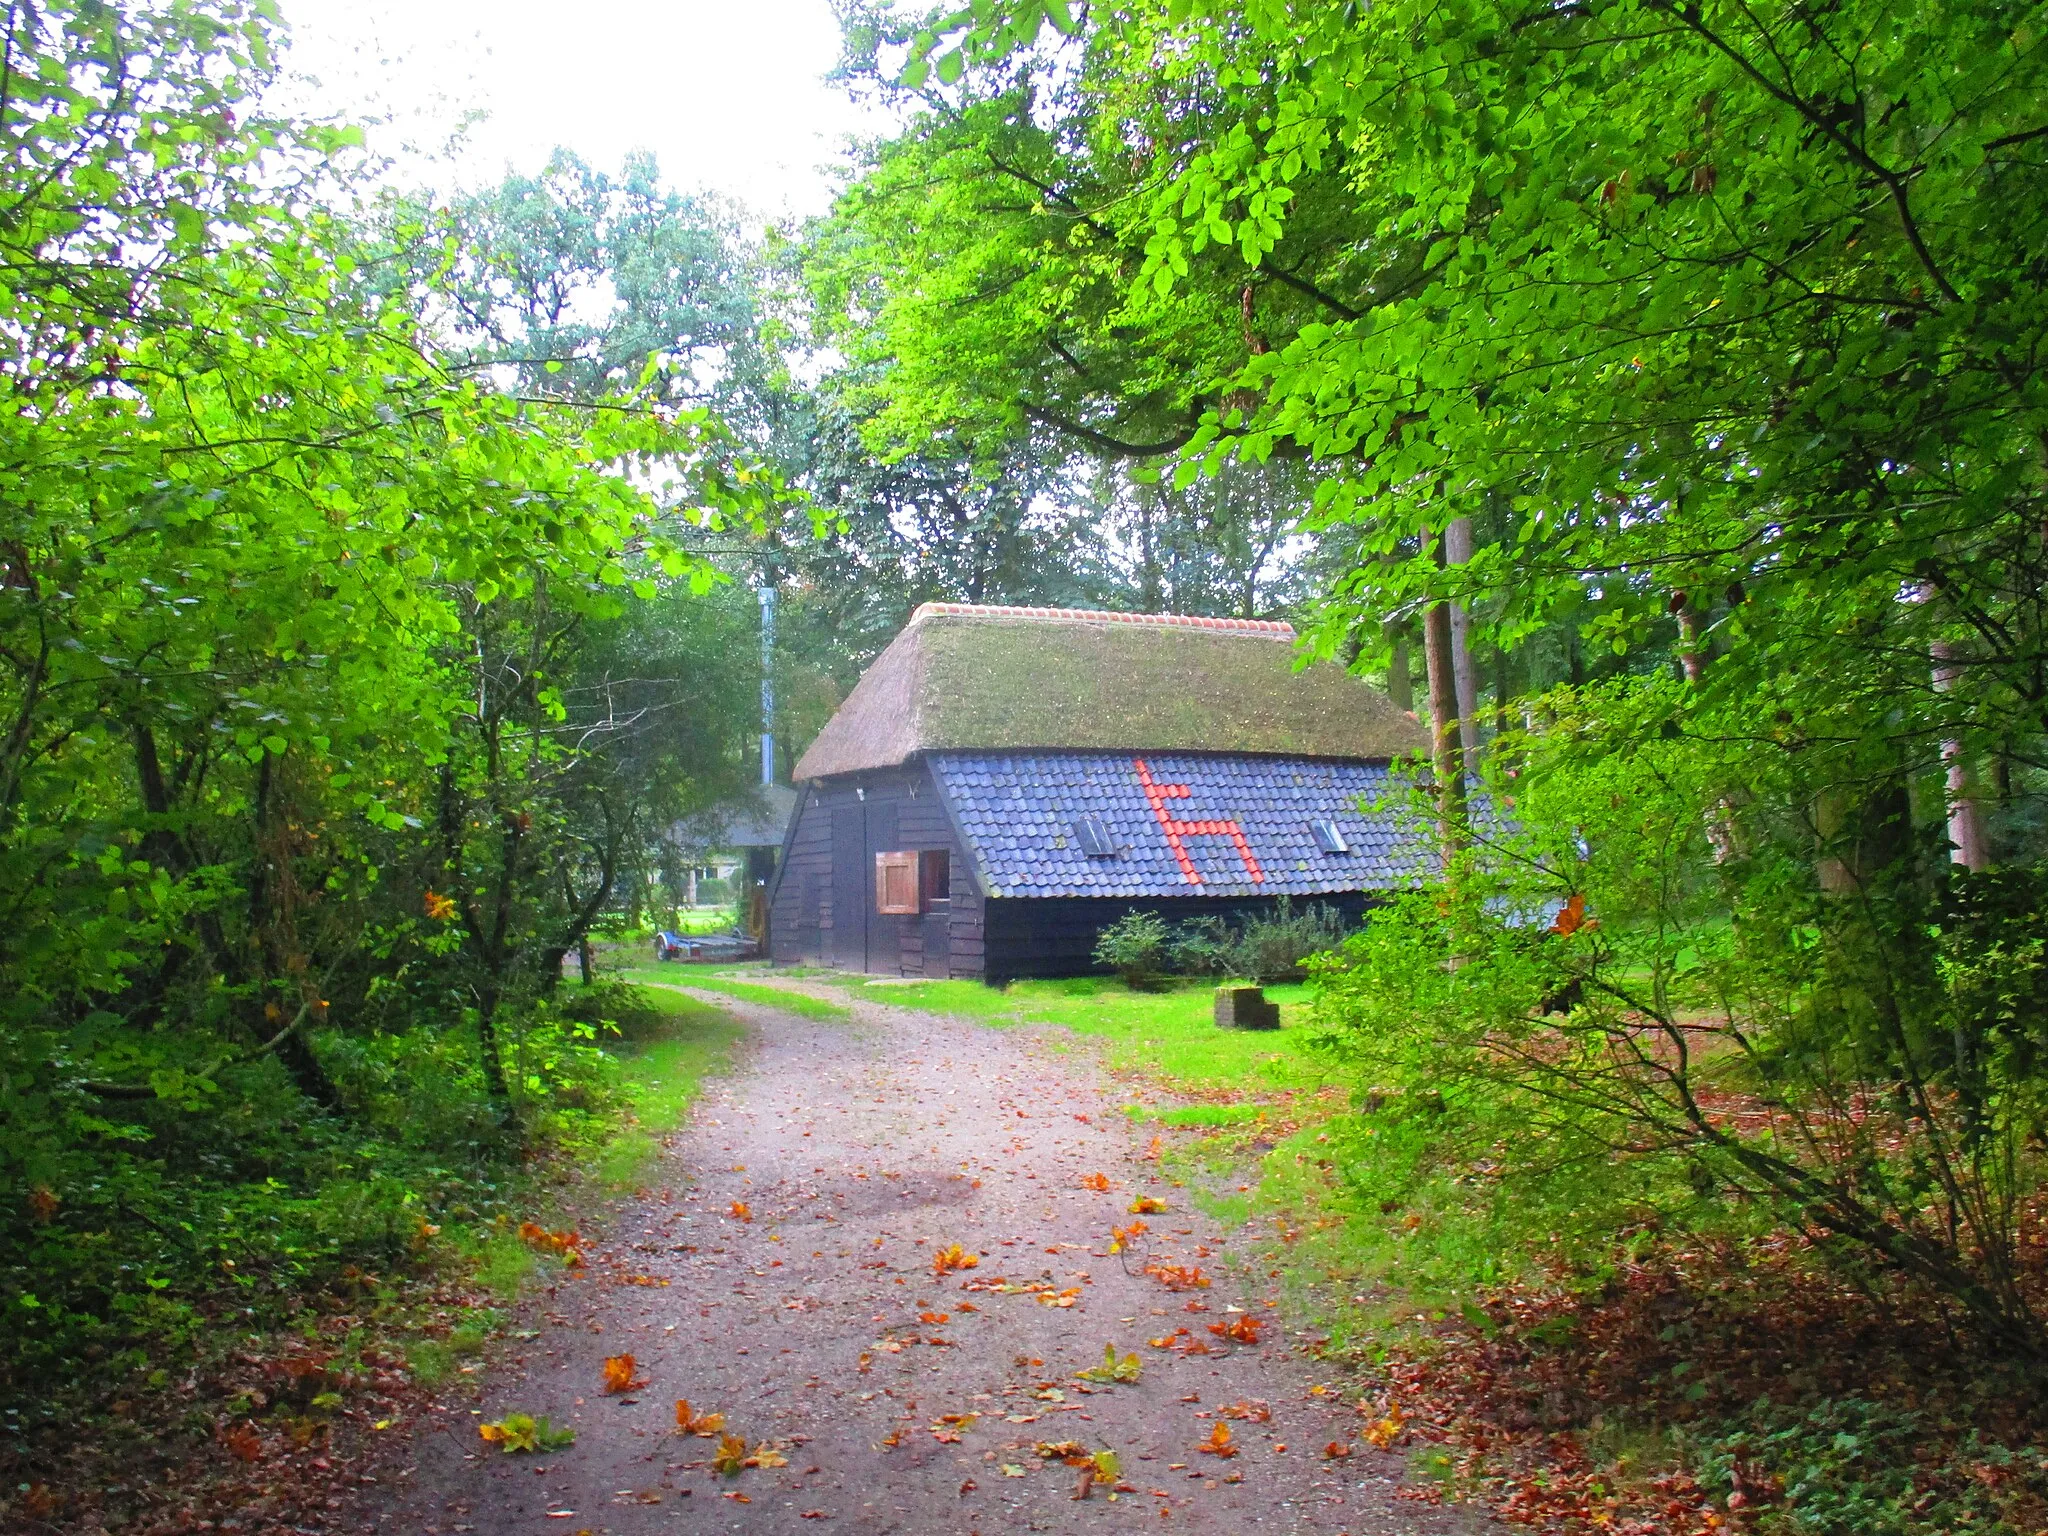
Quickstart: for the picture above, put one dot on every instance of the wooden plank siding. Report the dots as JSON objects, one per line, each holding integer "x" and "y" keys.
{"x": 1055, "y": 936}
{"x": 820, "y": 914}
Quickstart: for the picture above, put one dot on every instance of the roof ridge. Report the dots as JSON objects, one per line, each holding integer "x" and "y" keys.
{"x": 1274, "y": 627}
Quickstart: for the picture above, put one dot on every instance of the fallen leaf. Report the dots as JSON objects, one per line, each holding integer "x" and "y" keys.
{"x": 1219, "y": 1442}
{"x": 1121, "y": 1238}
{"x": 953, "y": 1257}
{"x": 523, "y": 1432}
{"x": 1011, "y": 1469}
{"x": 243, "y": 1443}
{"x": 949, "y": 1427}
{"x": 1147, "y": 1205}
{"x": 1065, "y": 1298}
{"x": 739, "y": 1210}
{"x": 566, "y": 1244}
{"x": 1178, "y": 1277}
{"x": 689, "y": 1422}
{"x": 1107, "y": 1467}
{"x": 1242, "y": 1329}
{"x": 1099, "y": 1182}
{"x": 765, "y": 1455}
{"x": 1254, "y": 1412}
{"x": 1112, "y": 1369}
{"x": 933, "y": 1318}
{"x": 731, "y": 1456}
{"x": 1387, "y": 1430}
{"x": 1336, "y": 1449}
{"x": 1061, "y": 1450}
{"x": 618, "y": 1374}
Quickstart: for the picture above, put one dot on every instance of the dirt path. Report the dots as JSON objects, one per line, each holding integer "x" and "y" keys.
{"x": 860, "y": 1149}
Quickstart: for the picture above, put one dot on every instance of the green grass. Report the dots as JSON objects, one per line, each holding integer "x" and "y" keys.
{"x": 745, "y": 991}
{"x": 663, "y": 1075}
{"x": 1168, "y": 1035}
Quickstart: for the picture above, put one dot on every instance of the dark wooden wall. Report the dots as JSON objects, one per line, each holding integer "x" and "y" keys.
{"x": 1055, "y": 936}
{"x": 823, "y": 909}
{"x": 824, "y": 905}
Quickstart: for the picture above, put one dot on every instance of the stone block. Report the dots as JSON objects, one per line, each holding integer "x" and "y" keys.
{"x": 1245, "y": 1008}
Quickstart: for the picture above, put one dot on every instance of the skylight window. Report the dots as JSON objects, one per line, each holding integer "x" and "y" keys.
{"x": 1329, "y": 836}
{"x": 1092, "y": 833}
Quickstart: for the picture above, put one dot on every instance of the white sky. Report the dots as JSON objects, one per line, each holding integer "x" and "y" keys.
{"x": 728, "y": 94}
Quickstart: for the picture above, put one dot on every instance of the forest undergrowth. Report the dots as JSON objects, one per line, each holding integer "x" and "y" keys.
{"x": 326, "y": 1276}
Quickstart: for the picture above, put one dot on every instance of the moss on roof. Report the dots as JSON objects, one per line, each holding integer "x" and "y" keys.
{"x": 961, "y": 678}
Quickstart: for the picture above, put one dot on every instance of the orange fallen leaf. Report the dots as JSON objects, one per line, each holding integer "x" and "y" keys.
{"x": 618, "y": 1374}
{"x": 565, "y": 1244}
{"x": 1219, "y": 1442}
{"x": 739, "y": 1210}
{"x": 1387, "y": 1430}
{"x": 731, "y": 1456}
{"x": 1242, "y": 1329}
{"x": 1168, "y": 1340}
{"x": 690, "y": 1422}
{"x": 953, "y": 1257}
{"x": 1099, "y": 1182}
{"x": 1178, "y": 1277}
{"x": 1254, "y": 1412}
{"x": 1336, "y": 1449}
{"x": 1147, "y": 1205}
{"x": 933, "y": 1318}
{"x": 243, "y": 1443}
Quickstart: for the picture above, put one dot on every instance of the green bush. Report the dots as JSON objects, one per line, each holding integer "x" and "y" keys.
{"x": 1135, "y": 946}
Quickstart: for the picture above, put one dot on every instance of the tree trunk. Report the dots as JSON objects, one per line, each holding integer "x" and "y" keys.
{"x": 1457, "y": 550}
{"x": 1400, "y": 684}
{"x": 1968, "y": 845}
{"x": 1447, "y": 756}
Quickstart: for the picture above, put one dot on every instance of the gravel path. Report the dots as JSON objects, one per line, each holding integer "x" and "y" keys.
{"x": 819, "y": 1326}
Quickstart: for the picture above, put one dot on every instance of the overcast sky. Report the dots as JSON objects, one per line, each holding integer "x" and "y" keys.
{"x": 728, "y": 94}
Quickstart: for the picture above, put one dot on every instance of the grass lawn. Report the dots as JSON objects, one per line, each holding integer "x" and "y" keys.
{"x": 709, "y": 980}
{"x": 663, "y": 1075}
{"x": 1168, "y": 1035}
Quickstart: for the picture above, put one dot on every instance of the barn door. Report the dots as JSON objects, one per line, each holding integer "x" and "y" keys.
{"x": 884, "y": 934}
{"x": 850, "y": 880}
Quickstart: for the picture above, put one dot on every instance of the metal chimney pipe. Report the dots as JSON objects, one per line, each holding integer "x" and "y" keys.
{"x": 767, "y": 686}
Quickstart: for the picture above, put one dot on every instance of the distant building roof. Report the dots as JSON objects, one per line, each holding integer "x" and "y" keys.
{"x": 1174, "y": 824}
{"x": 966, "y": 677}
{"x": 756, "y": 821}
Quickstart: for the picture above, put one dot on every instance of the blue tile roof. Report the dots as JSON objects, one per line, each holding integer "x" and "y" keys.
{"x": 1183, "y": 824}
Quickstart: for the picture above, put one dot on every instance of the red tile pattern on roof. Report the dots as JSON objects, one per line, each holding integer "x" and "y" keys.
{"x": 1273, "y": 627}
{"x": 1156, "y": 796}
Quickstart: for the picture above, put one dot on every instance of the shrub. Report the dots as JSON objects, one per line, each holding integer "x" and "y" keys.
{"x": 1135, "y": 947}
{"x": 1275, "y": 947}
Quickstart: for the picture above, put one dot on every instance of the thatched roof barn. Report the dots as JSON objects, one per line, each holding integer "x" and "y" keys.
{"x": 1004, "y": 782}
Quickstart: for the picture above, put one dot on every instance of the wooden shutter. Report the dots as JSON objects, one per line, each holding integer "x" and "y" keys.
{"x": 896, "y": 883}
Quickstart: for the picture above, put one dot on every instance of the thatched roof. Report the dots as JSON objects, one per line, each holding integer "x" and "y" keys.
{"x": 962, "y": 677}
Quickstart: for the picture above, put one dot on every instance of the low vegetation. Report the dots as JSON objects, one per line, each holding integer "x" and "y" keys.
{"x": 246, "y": 1224}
